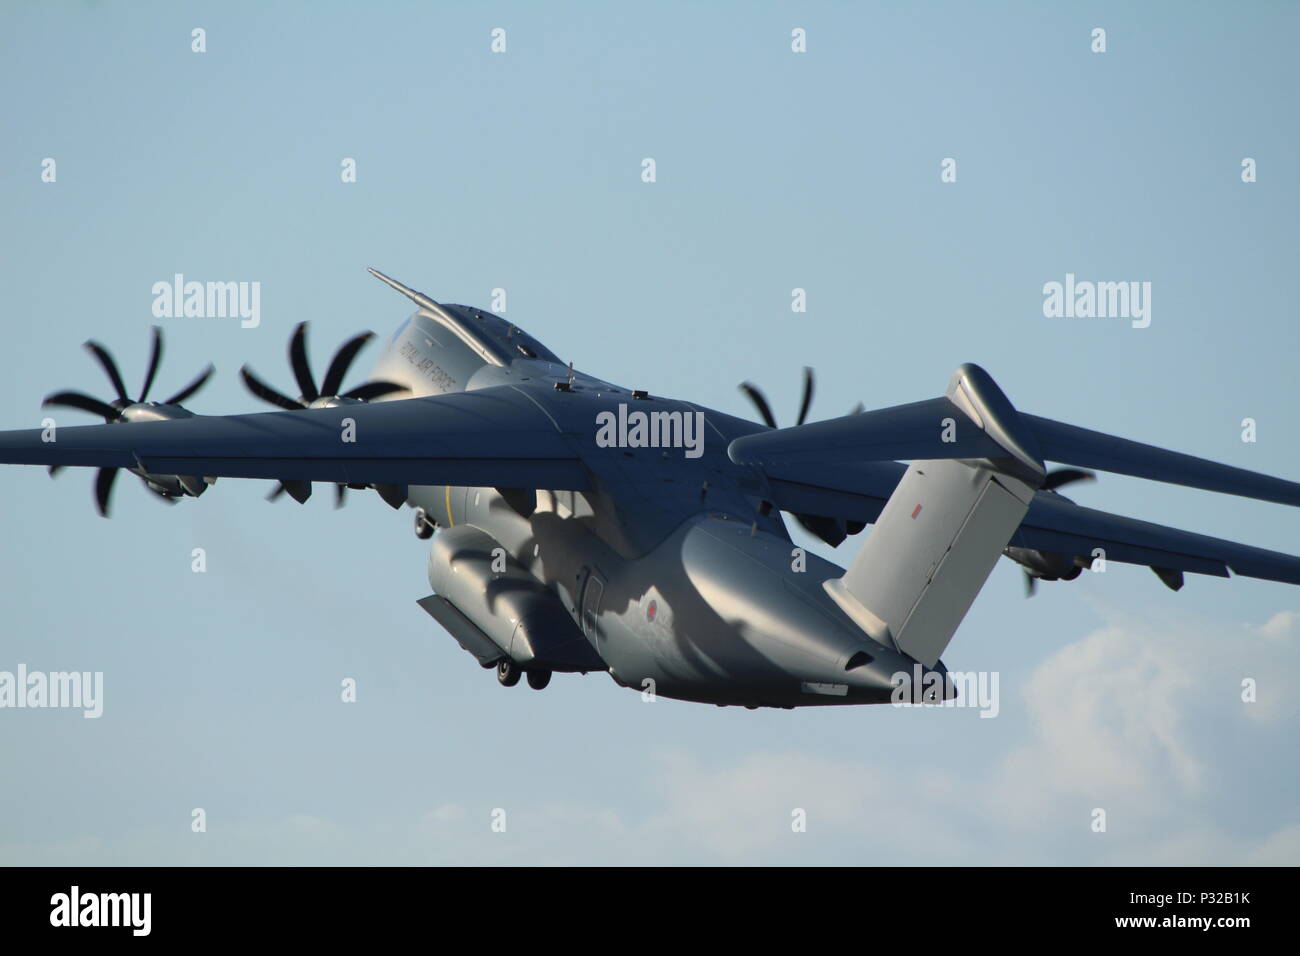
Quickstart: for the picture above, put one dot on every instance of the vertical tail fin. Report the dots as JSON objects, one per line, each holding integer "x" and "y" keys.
{"x": 943, "y": 529}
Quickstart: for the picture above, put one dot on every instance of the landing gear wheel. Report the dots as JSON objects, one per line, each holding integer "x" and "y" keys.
{"x": 538, "y": 679}
{"x": 508, "y": 673}
{"x": 423, "y": 526}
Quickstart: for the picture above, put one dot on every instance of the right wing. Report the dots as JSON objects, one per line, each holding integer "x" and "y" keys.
{"x": 489, "y": 437}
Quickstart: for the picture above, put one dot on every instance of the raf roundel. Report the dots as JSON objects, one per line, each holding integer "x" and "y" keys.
{"x": 651, "y": 610}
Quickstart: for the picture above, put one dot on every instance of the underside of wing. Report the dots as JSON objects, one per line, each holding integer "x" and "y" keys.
{"x": 1057, "y": 525}
{"x": 489, "y": 437}
{"x": 1053, "y": 524}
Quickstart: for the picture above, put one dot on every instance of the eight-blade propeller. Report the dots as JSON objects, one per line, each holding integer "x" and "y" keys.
{"x": 326, "y": 396}
{"x": 1052, "y": 565}
{"x": 1055, "y": 566}
{"x": 831, "y": 530}
{"x": 125, "y": 409}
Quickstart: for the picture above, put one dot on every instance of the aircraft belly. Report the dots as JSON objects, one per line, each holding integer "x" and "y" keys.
{"x": 710, "y": 616}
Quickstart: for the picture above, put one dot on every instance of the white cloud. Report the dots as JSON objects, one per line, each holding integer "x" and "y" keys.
{"x": 1138, "y": 717}
{"x": 1105, "y": 720}
{"x": 1281, "y": 626}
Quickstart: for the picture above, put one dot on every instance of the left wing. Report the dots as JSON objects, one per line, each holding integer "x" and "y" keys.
{"x": 1055, "y": 524}
{"x": 490, "y": 437}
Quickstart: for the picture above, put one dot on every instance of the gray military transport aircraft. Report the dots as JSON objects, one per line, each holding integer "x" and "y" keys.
{"x": 583, "y": 526}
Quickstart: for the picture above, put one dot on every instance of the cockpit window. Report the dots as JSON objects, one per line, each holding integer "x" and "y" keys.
{"x": 506, "y": 339}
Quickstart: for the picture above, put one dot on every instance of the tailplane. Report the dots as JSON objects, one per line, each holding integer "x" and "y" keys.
{"x": 944, "y": 527}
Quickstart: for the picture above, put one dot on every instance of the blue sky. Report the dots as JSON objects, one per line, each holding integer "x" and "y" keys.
{"x": 521, "y": 170}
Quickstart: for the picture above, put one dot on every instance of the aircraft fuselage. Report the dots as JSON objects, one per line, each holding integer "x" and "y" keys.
{"x": 669, "y": 566}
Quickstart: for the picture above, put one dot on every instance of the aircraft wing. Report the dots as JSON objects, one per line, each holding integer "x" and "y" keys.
{"x": 490, "y": 437}
{"x": 839, "y": 469}
{"x": 1055, "y": 524}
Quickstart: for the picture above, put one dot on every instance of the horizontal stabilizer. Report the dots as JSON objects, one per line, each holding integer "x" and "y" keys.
{"x": 1072, "y": 445}
{"x": 848, "y": 491}
{"x": 969, "y": 423}
{"x": 902, "y": 433}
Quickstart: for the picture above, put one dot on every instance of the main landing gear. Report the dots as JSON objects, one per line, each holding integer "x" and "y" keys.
{"x": 508, "y": 673}
{"x": 424, "y": 525}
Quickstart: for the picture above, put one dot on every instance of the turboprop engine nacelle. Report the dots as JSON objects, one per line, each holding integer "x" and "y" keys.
{"x": 1048, "y": 565}
{"x": 511, "y": 608}
{"x": 171, "y": 485}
